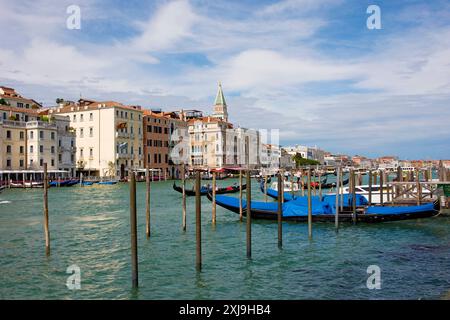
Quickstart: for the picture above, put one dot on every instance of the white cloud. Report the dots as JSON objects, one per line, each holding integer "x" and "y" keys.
{"x": 170, "y": 24}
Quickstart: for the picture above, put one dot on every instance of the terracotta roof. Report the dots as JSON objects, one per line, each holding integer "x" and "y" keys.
{"x": 209, "y": 120}
{"x": 19, "y": 110}
{"x": 93, "y": 106}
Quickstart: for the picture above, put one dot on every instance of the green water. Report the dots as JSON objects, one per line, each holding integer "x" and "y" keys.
{"x": 89, "y": 227}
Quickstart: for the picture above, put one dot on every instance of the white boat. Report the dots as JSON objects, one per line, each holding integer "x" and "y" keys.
{"x": 376, "y": 196}
{"x": 34, "y": 184}
{"x": 286, "y": 187}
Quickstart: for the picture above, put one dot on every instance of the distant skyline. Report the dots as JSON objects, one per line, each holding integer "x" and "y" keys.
{"x": 310, "y": 68}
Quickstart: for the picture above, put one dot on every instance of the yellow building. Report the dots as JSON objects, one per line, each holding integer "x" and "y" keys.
{"x": 109, "y": 137}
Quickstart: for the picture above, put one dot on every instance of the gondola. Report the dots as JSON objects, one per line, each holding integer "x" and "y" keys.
{"x": 217, "y": 177}
{"x": 204, "y": 190}
{"x": 323, "y": 211}
{"x": 288, "y": 196}
{"x": 260, "y": 179}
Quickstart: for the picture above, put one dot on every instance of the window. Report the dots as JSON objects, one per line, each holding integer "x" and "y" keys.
{"x": 19, "y": 105}
{"x": 81, "y": 133}
{"x": 4, "y": 116}
{"x": 91, "y": 116}
{"x": 91, "y": 152}
{"x": 31, "y": 149}
{"x": 149, "y": 142}
{"x": 166, "y": 131}
{"x": 81, "y": 152}
{"x": 31, "y": 162}
{"x": 41, "y": 134}
{"x": 31, "y": 135}
{"x": 8, "y": 134}
{"x": 155, "y": 158}
{"x": 126, "y": 114}
{"x": 166, "y": 158}
{"x": 59, "y": 157}
{"x": 53, "y": 162}
{"x": 159, "y": 158}
{"x": 8, "y": 162}
{"x": 21, "y": 149}
{"x": 74, "y": 118}
{"x": 52, "y": 136}
{"x": 21, "y": 163}
{"x": 91, "y": 132}
{"x": 132, "y": 150}
{"x": 149, "y": 128}
{"x": 81, "y": 117}
{"x": 131, "y": 115}
{"x": 148, "y": 158}
{"x": 59, "y": 143}
{"x": 52, "y": 149}
{"x": 121, "y": 114}
{"x": 139, "y": 130}
{"x": 139, "y": 117}
{"x": 41, "y": 162}
{"x": 140, "y": 151}
{"x": 41, "y": 148}
{"x": 21, "y": 135}
{"x": 27, "y": 106}
{"x": 8, "y": 149}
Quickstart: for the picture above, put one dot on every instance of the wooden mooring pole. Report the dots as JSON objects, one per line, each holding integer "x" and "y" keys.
{"x": 183, "y": 204}
{"x": 133, "y": 225}
{"x": 370, "y": 187}
{"x": 214, "y": 199}
{"x": 336, "y": 219}
{"x": 240, "y": 196}
{"x": 353, "y": 179}
{"x": 265, "y": 188}
{"x": 198, "y": 222}
{"x": 418, "y": 188}
{"x": 147, "y": 203}
{"x": 342, "y": 190}
{"x": 309, "y": 205}
{"x": 381, "y": 188}
{"x": 46, "y": 229}
{"x": 280, "y": 204}
{"x": 248, "y": 200}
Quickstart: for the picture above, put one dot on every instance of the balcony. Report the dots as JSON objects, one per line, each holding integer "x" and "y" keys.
{"x": 122, "y": 155}
{"x": 12, "y": 123}
{"x": 41, "y": 124}
{"x": 122, "y": 135}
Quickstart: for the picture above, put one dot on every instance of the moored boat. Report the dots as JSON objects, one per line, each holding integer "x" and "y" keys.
{"x": 324, "y": 211}
{"x": 111, "y": 182}
{"x": 205, "y": 189}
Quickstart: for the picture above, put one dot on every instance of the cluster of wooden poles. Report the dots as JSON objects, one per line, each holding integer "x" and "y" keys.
{"x": 133, "y": 208}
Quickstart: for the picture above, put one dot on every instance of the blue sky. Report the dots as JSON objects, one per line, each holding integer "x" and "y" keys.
{"x": 310, "y": 68}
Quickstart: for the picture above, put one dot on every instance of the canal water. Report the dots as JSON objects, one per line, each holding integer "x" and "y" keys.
{"x": 89, "y": 227}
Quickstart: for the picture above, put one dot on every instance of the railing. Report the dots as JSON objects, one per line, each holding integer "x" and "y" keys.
{"x": 43, "y": 124}
{"x": 13, "y": 123}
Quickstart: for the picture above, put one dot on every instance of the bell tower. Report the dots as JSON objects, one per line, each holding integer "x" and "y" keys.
{"x": 220, "y": 106}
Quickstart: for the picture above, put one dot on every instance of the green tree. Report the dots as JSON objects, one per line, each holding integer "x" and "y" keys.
{"x": 3, "y": 102}
{"x": 300, "y": 161}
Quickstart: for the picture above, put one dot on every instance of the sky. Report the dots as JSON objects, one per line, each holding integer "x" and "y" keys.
{"x": 310, "y": 68}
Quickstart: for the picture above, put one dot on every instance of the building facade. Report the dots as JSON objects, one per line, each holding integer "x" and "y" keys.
{"x": 109, "y": 137}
